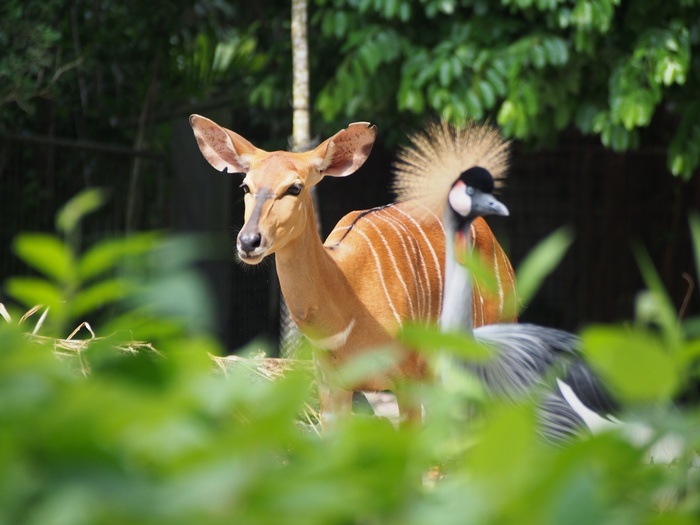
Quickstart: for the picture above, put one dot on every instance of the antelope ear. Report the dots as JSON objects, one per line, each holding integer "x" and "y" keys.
{"x": 222, "y": 148}
{"x": 344, "y": 153}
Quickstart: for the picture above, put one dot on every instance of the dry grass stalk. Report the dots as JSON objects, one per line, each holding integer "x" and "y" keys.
{"x": 270, "y": 368}
{"x": 70, "y": 347}
{"x": 5, "y": 314}
{"x": 266, "y": 367}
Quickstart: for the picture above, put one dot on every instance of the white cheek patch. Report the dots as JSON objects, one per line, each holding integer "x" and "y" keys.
{"x": 459, "y": 200}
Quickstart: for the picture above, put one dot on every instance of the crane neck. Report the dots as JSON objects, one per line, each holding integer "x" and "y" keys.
{"x": 456, "y": 312}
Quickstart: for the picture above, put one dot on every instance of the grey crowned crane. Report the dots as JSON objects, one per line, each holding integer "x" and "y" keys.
{"x": 451, "y": 171}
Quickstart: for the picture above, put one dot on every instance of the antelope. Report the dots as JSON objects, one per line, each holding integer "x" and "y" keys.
{"x": 377, "y": 269}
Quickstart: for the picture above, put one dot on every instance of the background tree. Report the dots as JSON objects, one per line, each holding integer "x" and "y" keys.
{"x": 540, "y": 67}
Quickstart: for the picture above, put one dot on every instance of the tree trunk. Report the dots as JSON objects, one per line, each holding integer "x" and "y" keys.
{"x": 290, "y": 336}
{"x": 301, "y": 128}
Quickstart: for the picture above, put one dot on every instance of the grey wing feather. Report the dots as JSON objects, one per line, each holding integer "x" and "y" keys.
{"x": 589, "y": 389}
{"x": 557, "y": 419}
{"x": 524, "y": 355}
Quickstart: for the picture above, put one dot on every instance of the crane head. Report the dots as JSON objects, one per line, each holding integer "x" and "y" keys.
{"x": 438, "y": 155}
{"x": 471, "y": 196}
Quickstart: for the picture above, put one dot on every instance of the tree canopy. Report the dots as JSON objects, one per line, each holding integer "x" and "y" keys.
{"x": 620, "y": 71}
{"x": 538, "y": 68}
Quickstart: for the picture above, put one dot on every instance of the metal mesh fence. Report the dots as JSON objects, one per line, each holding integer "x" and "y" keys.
{"x": 610, "y": 202}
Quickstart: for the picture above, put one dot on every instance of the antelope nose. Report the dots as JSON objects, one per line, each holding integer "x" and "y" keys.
{"x": 247, "y": 242}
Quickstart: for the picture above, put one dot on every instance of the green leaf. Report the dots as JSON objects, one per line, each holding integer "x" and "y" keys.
{"x": 496, "y": 81}
{"x": 585, "y": 117}
{"x": 684, "y": 150}
{"x": 340, "y": 24}
{"x": 530, "y": 96}
{"x": 431, "y": 339}
{"x": 31, "y": 291}
{"x": 390, "y": 8}
{"x": 556, "y": 51}
{"x": 457, "y": 67}
{"x": 665, "y": 312}
{"x": 439, "y": 98}
{"x": 99, "y": 295}
{"x": 582, "y": 15}
{"x": 677, "y": 163}
{"x": 487, "y": 94}
{"x": 410, "y": 98}
{"x": 85, "y": 202}
{"x": 405, "y": 12}
{"x": 178, "y": 294}
{"x": 621, "y": 139}
{"x": 694, "y": 221}
{"x": 481, "y": 273}
{"x": 537, "y": 53}
{"x": 46, "y": 254}
{"x": 687, "y": 357}
{"x": 508, "y": 116}
{"x": 106, "y": 255}
{"x": 506, "y": 445}
{"x": 445, "y": 73}
{"x": 540, "y": 262}
{"x": 633, "y": 362}
{"x": 474, "y": 104}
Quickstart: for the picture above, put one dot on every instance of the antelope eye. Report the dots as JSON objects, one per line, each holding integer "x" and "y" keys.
{"x": 294, "y": 189}
{"x": 245, "y": 187}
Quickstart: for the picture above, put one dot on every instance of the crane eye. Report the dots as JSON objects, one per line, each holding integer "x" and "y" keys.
{"x": 294, "y": 189}
{"x": 245, "y": 188}
{"x": 470, "y": 190}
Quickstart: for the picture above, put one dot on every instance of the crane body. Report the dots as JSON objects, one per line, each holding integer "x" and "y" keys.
{"x": 526, "y": 359}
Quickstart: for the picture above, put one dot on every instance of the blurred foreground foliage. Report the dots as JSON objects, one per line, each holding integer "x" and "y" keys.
{"x": 160, "y": 436}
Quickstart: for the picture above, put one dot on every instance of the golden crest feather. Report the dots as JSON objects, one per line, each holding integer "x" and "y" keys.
{"x": 426, "y": 169}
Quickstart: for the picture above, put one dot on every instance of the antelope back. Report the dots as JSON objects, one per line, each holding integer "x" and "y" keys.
{"x": 393, "y": 260}
{"x": 393, "y": 256}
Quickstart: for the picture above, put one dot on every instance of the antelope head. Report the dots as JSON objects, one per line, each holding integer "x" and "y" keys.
{"x": 278, "y": 205}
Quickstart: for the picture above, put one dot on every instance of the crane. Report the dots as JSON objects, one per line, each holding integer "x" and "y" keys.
{"x": 454, "y": 169}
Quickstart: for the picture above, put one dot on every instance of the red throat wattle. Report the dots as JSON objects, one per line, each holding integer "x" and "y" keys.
{"x": 461, "y": 247}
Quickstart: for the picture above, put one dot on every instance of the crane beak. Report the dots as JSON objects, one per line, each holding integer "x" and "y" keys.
{"x": 486, "y": 204}
{"x": 499, "y": 208}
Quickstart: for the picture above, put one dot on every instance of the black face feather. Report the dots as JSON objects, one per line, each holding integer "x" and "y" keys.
{"x": 471, "y": 196}
{"x": 478, "y": 178}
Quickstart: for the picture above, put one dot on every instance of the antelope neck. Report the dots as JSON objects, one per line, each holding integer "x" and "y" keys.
{"x": 313, "y": 285}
